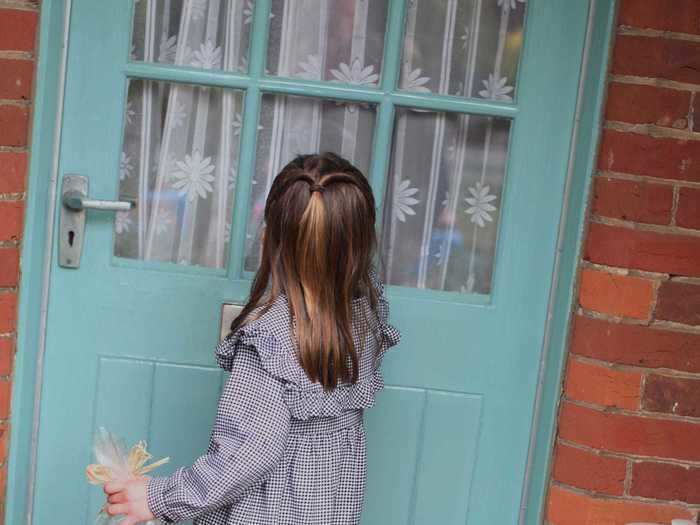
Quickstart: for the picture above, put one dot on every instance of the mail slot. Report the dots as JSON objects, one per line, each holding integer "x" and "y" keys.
{"x": 229, "y": 311}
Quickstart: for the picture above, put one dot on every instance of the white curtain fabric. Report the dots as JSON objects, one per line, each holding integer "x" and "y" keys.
{"x": 181, "y": 143}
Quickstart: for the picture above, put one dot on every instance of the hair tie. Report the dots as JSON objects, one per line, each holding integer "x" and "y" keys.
{"x": 316, "y": 187}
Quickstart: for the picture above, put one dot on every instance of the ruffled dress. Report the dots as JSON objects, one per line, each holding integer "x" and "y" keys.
{"x": 282, "y": 451}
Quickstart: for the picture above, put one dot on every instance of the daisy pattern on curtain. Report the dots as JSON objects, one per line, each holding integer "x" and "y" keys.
{"x": 356, "y": 74}
{"x": 179, "y": 147}
{"x": 496, "y": 88}
{"x": 122, "y": 222}
{"x": 404, "y": 200}
{"x": 208, "y": 56}
{"x": 480, "y": 206}
{"x": 311, "y": 68}
{"x": 414, "y": 81}
{"x": 456, "y": 163}
{"x": 125, "y": 166}
{"x": 194, "y": 176}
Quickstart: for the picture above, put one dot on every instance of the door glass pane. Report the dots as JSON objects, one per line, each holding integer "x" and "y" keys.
{"x": 205, "y": 34}
{"x": 178, "y": 162}
{"x": 443, "y": 200}
{"x": 293, "y": 125}
{"x": 322, "y": 40}
{"x": 468, "y": 48}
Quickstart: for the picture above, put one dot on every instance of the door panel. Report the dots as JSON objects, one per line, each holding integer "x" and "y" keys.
{"x": 153, "y": 399}
{"x": 422, "y": 455}
{"x": 468, "y": 171}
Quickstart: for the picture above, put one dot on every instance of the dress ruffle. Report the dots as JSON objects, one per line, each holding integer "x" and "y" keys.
{"x": 277, "y": 356}
{"x": 274, "y": 355}
{"x": 306, "y": 402}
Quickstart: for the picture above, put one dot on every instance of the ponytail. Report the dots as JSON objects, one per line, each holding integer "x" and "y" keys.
{"x": 318, "y": 249}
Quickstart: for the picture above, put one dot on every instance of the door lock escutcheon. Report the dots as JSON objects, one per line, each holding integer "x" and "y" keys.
{"x": 74, "y": 202}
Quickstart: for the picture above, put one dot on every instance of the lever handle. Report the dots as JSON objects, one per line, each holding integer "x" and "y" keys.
{"x": 76, "y": 200}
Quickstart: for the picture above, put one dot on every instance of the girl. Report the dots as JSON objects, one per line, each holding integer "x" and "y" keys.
{"x": 288, "y": 443}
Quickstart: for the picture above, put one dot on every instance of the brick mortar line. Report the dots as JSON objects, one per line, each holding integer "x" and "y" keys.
{"x": 17, "y": 102}
{"x": 657, "y": 33}
{"x": 8, "y": 289}
{"x": 639, "y": 499}
{"x": 7, "y": 335}
{"x": 630, "y": 321}
{"x": 644, "y": 371}
{"x": 654, "y": 300}
{"x": 651, "y": 130}
{"x": 644, "y": 414}
{"x": 646, "y": 178}
{"x": 627, "y": 272}
{"x": 636, "y": 458}
{"x": 19, "y": 5}
{"x": 673, "y": 325}
{"x": 683, "y": 279}
{"x": 16, "y": 55}
{"x": 12, "y": 243}
{"x": 592, "y": 314}
{"x": 627, "y": 482}
{"x": 654, "y": 82}
{"x": 674, "y": 205}
{"x": 691, "y": 112}
{"x": 640, "y": 226}
{"x": 14, "y": 149}
{"x": 13, "y": 197}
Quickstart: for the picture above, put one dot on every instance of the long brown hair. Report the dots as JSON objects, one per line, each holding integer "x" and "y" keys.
{"x": 317, "y": 249}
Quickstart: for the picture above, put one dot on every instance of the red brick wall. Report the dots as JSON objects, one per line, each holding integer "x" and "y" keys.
{"x": 18, "y": 23}
{"x": 628, "y": 442}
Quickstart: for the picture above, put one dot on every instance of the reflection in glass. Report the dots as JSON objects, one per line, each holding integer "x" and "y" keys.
{"x": 293, "y": 125}
{"x": 466, "y": 48}
{"x": 178, "y": 162}
{"x": 205, "y": 34}
{"x": 443, "y": 200}
{"x": 328, "y": 40}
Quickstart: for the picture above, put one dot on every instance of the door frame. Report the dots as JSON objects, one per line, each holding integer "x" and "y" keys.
{"x": 37, "y": 251}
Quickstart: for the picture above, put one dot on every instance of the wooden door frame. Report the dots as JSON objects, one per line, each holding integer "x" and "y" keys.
{"x": 38, "y": 236}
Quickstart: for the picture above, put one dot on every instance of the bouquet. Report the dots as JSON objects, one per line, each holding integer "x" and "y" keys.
{"x": 114, "y": 461}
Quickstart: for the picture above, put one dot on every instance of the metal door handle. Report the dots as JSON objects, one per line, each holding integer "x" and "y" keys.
{"x": 77, "y": 200}
{"x": 74, "y": 197}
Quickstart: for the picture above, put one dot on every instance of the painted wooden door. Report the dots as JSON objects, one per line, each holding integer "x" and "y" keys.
{"x": 461, "y": 113}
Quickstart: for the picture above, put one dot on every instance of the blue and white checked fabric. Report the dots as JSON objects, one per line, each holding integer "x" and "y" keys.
{"x": 282, "y": 451}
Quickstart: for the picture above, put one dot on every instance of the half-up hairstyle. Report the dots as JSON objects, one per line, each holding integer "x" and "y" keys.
{"x": 317, "y": 249}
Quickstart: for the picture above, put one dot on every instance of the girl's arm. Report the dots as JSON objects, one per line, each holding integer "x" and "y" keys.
{"x": 248, "y": 440}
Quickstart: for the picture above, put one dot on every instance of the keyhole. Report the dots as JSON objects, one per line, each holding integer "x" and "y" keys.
{"x": 71, "y": 237}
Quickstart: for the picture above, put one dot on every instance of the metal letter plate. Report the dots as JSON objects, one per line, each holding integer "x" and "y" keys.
{"x": 229, "y": 311}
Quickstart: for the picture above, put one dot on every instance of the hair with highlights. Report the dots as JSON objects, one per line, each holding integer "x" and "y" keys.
{"x": 318, "y": 247}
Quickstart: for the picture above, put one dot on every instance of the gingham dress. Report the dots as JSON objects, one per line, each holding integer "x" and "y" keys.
{"x": 282, "y": 451}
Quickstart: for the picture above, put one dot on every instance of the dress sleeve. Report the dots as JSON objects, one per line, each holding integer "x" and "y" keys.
{"x": 248, "y": 440}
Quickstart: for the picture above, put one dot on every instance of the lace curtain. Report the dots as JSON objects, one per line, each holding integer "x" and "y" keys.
{"x": 181, "y": 142}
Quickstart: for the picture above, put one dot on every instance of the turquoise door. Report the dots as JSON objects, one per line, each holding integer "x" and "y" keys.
{"x": 461, "y": 113}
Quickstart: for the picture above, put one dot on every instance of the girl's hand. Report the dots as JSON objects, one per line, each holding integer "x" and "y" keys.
{"x": 128, "y": 498}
